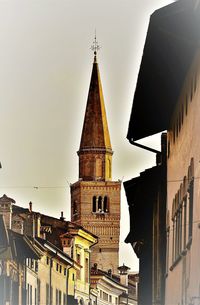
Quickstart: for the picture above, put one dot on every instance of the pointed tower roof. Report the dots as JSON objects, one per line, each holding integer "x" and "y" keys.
{"x": 95, "y": 134}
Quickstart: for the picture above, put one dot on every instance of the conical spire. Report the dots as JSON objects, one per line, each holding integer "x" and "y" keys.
{"x": 95, "y": 139}
{"x": 95, "y": 132}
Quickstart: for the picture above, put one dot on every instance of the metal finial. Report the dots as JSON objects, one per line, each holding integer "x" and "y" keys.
{"x": 95, "y": 46}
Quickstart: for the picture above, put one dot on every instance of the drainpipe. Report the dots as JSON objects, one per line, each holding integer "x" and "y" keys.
{"x": 145, "y": 147}
{"x": 67, "y": 283}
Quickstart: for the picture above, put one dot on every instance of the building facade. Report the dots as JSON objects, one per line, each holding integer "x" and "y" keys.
{"x": 147, "y": 233}
{"x": 183, "y": 196}
{"x": 167, "y": 98}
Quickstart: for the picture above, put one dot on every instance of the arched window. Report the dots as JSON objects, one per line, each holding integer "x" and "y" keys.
{"x": 100, "y": 204}
{"x": 94, "y": 207}
{"x": 105, "y": 204}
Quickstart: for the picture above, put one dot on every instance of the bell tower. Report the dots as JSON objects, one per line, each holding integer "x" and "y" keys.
{"x": 95, "y": 198}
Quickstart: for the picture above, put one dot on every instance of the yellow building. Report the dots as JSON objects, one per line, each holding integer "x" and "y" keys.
{"x": 76, "y": 242}
{"x": 52, "y": 276}
{"x": 54, "y": 270}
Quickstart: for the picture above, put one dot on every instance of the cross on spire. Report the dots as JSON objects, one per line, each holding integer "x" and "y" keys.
{"x": 95, "y": 46}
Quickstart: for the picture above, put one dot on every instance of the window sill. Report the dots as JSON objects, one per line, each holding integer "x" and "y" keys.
{"x": 100, "y": 213}
{"x": 178, "y": 259}
{"x": 183, "y": 253}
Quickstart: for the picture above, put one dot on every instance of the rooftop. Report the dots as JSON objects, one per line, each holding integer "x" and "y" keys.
{"x": 173, "y": 39}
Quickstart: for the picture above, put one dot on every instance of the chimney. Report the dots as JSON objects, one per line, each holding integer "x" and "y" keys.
{"x": 62, "y": 218}
{"x": 95, "y": 266}
{"x": 123, "y": 271}
{"x": 110, "y": 272}
{"x": 30, "y": 207}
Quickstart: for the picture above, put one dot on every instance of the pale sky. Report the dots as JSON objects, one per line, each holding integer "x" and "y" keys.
{"x": 46, "y": 63}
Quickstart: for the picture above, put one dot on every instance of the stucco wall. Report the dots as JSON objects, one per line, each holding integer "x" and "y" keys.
{"x": 183, "y": 277}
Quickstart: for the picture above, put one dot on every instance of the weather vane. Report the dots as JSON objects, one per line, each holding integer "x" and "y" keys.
{"x": 95, "y": 46}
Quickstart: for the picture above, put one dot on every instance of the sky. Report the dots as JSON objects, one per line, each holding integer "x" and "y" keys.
{"x": 46, "y": 64}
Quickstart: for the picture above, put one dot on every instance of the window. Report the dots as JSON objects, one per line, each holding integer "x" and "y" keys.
{"x": 51, "y": 296}
{"x": 57, "y": 267}
{"x": 94, "y": 207}
{"x": 182, "y": 216}
{"x": 167, "y": 240}
{"x": 38, "y": 289}
{"x": 79, "y": 262}
{"x": 36, "y": 266}
{"x": 35, "y": 297}
{"x": 28, "y": 294}
{"x": 47, "y": 294}
{"x": 100, "y": 204}
{"x": 105, "y": 204}
{"x": 190, "y": 192}
{"x": 105, "y": 296}
{"x": 32, "y": 264}
{"x": 31, "y": 295}
{"x": 64, "y": 299}
{"x": 86, "y": 270}
{"x": 59, "y": 298}
{"x": 110, "y": 298}
{"x": 72, "y": 251}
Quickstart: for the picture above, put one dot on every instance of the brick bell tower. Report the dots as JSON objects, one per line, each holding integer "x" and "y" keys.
{"x": 95, "y": 198}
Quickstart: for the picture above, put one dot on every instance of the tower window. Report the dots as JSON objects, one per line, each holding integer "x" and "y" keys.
{"x": 100, "y": 204}
{"x": 94, "y": 207}
{"x": 105, "y": 204}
